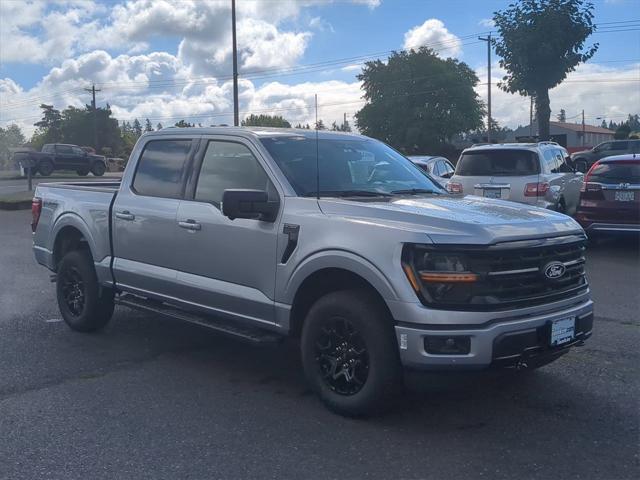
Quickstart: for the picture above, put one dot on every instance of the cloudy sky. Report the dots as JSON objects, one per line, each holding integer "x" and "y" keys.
{"x": 171, "y": 59}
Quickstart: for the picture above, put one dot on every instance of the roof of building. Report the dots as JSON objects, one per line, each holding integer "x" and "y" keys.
{"x": 577, "y": 127}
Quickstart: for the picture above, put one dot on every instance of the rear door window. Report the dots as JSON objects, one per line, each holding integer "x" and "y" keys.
{"x": 162, "y": 168}
{"x": 498, "y": 163}
{"x": 616, "y": 172}
{"x": 64, "y": 149}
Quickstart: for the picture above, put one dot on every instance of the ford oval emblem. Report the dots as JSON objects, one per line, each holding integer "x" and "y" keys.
{"x": 554, "y": 270}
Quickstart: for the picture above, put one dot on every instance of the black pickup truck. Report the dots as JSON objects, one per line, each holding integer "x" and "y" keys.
{"x": 60, "y": 156}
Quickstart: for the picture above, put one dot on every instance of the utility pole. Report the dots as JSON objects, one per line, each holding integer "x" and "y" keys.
{"x": 488, "y": 40}
{"x": 95, "y": 115}
{"x": 530, "y": 117}
{"x": 236, "y": 115}
{"x": 583, "y": 129}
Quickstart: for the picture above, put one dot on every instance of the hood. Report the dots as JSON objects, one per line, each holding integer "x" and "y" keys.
{"x": 449, "y": 219}
{"x": 582, "y": 152}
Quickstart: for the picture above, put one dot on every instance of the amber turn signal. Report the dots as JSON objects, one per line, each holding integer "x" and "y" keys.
{"x": 448, "y": 277}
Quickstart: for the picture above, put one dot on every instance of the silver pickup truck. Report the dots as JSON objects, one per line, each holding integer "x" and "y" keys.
{"x": 334, "y": 239}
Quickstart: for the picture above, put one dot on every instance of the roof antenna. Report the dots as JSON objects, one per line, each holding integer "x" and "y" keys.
{"x": 317, "y": 154}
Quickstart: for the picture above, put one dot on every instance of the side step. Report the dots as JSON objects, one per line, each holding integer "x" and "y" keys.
{"x": 227, "y": 327}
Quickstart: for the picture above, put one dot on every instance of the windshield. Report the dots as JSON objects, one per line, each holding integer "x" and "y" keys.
{"x": 347, "y": 167}
{"x": 498, "y": 163}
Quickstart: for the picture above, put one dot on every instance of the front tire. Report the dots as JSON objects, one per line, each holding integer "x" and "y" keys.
{"x": 84, "y": 306}
{"x": 45, "y": 168}
{"x": 350, "y": 354}
{"x": 98, "y": 168}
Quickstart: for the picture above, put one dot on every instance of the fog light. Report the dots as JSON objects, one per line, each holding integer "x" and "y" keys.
{"x": 442, "y": 345}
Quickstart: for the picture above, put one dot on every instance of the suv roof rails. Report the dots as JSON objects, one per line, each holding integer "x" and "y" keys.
{"x": 548, "y": 142}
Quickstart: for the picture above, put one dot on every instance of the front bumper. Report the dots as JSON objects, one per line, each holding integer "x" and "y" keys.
{"x": 500, "y": 342}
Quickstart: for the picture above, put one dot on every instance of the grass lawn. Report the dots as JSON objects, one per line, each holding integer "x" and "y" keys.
{"x": 15, "y": 200}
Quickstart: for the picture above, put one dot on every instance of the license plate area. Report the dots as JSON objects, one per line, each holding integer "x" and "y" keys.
{"x": 492, "y": 192}
{"x": 562, "y": 331}
{"x": 625, "y": 196}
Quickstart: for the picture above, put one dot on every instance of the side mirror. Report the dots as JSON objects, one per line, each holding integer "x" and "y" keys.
{"x": 253, "y": 204}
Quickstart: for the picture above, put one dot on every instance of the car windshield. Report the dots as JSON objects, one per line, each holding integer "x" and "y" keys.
{"x": 498, "y": 163}
{"x": 347, "y": 167}
{"x": 616, "y": 172}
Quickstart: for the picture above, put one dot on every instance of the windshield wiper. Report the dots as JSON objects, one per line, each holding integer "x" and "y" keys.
{"x": 347, "y": 193}
{"x": 414, "y": 191}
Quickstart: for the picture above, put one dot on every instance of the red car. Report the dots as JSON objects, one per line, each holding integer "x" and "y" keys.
{"x": 610, "y": 196}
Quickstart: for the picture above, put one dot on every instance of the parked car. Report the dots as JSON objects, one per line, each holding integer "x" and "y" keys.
{"x": 610, "y": 196}
{"x": 365, "y": 260}
{"x": 61, "y": 156}
{"x": 539, "y": 174}
{"x": 586, "y": 158}
{"x": 439, "y": 168}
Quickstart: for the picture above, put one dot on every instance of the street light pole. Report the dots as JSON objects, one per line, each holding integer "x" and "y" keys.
{"x": 236, "y": 115}
{"x": 488, "y": 40}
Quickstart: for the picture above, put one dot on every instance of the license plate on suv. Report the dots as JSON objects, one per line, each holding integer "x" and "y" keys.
{"x": 492, "y": 193}
{"x": 625, "y": 196}
{"x": 563, "y": 331}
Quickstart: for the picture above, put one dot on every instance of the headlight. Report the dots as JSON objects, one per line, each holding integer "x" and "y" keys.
{"x": 437, "y": 276}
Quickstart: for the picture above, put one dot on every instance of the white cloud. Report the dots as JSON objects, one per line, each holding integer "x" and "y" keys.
{"x": 487, "y": 22}
{"x": 596, "y": 88}
{"x": 434, "y": 34}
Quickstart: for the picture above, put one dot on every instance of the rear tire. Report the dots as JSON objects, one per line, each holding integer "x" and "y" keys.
{"x": 98, "y": 168}
{"x": 45, "y": 167}
{"x": 350, "y": 354}
{"x": 82, "y": 172}
{"x": 84, "y": 306}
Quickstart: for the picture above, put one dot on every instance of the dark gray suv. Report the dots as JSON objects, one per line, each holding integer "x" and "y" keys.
{"x": 584, "y": 159}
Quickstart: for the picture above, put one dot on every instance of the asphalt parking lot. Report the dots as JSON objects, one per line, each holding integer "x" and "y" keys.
{"x": 151, "y": 398}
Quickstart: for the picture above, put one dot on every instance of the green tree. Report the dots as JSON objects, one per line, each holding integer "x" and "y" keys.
{"x": 147, "y": 126}
{"x": 265, "y": 121}
{"x": 183, "y": 124}
{"x": 159, "y": 126}
{"x": 319, "y": 125}
{"x": 622, "y": 132}
{"x": 417, "y": 101}
{"x": 540, "y": 42}
{"x": 10, "y": 137}
{"x": 562, "y": 116}
{"x": 343, "y": 127}
{"x": 49, "y": 129}
{"x": 604, "y": 124}
{"x": 137, "y": 128}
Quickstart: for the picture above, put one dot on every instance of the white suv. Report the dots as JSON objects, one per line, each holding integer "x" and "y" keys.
{"x": 539, "y": 174}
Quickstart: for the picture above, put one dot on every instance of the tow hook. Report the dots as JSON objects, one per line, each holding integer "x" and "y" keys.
{"x": 53, "y": 277}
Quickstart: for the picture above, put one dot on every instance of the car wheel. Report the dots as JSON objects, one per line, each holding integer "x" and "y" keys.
{"x": 82, "y": 172}
{"x": 84, "y": 306}
{"x": 350, "y": 354}
{"x": 45, "y": 167}
{"x": 98, "y": 168}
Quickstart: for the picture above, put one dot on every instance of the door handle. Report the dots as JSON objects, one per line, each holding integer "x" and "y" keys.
{"x": 125, "y": 215}
{"x": 190, "y": 225}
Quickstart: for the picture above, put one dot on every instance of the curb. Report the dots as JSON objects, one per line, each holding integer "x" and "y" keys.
{"x": 21, "y": 205}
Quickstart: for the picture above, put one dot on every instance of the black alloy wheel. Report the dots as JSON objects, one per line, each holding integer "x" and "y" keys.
{"x": 73, "y": 290}
{"x": 342, "y": 357}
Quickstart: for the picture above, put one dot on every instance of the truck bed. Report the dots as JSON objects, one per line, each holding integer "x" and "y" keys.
{"x": 85, "y": 206}
{"x": 107, "y": 187}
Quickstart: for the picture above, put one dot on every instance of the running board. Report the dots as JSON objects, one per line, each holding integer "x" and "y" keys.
{"x": 227, "y": 327}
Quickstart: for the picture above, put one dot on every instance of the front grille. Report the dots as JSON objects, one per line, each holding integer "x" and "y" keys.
{"x": 515, "y": 277}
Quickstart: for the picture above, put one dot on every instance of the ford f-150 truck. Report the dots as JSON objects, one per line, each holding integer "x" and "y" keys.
{"x": 61, "y": 156}
{"x": 334, "y": 239}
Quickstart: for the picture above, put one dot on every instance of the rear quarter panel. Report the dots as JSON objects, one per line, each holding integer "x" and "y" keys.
{"x": 85, "y": 210}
